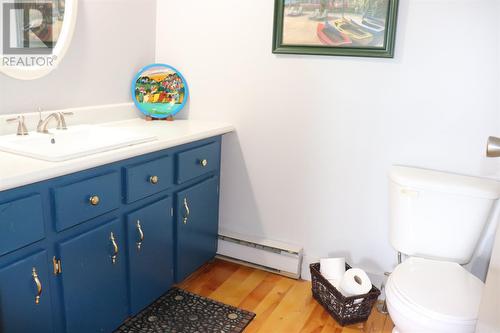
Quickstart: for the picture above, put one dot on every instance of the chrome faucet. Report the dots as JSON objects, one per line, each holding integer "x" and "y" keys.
{"x": 61, "y": 121}
{"x": 42, "y": 124}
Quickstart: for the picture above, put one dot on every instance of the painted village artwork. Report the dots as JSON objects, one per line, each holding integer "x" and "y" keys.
{"x": 160, "y": 91}
{"x": 338, "y": 23}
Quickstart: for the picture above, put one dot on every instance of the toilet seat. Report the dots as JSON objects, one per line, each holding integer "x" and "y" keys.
{"x": 443, "y": 293}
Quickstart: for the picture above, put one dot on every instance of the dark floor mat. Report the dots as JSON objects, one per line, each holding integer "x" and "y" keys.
{"x": 179, "y": 311}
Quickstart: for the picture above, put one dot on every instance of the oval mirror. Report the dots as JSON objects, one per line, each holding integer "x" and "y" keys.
{"x": 35, "y": 35}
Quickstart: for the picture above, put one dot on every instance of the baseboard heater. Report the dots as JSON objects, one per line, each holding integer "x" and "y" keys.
{"x": 272, "y": 256}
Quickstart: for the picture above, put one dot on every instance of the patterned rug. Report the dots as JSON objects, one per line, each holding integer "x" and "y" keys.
{"x": 179, "y": 311}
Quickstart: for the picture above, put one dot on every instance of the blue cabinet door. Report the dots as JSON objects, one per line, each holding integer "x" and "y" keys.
{"x": 197, "y": 226}
{"x": 94, "y": 280}
{"x": 25, "y": 304}
{"x": 151, "y": 253}
{"x": 20, "y": 226}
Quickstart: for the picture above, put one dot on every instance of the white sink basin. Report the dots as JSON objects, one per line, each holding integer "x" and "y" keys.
{"x": 76, "y": 141}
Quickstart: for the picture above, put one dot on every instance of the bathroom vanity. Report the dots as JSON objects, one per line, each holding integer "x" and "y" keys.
{"x": 84, "y": 250}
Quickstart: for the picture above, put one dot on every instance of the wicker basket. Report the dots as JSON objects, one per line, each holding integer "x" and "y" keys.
{"x": 345, "y": 310}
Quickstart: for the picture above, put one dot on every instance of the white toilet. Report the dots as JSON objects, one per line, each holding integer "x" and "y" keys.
{"x": 436, "y": 220}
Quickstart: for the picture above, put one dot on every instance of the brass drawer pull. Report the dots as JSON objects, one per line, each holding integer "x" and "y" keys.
{"x": 115, "y": 248}
{"x": 203, "y": 162}
{"x": 38, "y": 286}
{"x": 186, "y": 211}
{"x": 154, "y": 180}
{"x": 94, "y": 200}
{"x": 141, "y": 235}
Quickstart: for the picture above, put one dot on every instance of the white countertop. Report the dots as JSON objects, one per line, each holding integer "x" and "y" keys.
{"x": 17, "y": 170}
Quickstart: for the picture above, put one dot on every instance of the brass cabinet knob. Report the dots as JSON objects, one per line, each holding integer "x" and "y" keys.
{"x": 154, "y": 180}
{"x": 203, "y": 162}
{"x": 94, "y": 200}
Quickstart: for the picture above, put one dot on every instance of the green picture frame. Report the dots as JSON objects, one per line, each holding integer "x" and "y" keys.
{"x": 338, "y": 31}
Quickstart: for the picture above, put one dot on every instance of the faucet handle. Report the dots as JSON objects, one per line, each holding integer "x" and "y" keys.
{"x": 39, "y": 110}
{"x": 21, "y": 127}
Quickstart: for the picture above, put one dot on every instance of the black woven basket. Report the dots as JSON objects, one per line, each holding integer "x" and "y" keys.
{"x": 345, "y": 310}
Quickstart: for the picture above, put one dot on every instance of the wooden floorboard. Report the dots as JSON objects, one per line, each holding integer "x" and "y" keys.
{"x": 282, "y": 305}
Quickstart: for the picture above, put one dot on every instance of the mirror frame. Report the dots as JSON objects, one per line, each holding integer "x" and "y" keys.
{"x": 62, "y": 46}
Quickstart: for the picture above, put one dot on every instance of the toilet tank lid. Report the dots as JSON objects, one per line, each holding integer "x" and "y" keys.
{"x": 445, "y": 182}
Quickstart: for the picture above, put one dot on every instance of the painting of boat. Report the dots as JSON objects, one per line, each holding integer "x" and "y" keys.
{"x": 370, "y": 24}
{"x": 372, "y": 19}
{"x": 324, "y": 27}
{"x": 354, "y": 31}
{"x": 374, "y": 24}
{"x": 319, "y": 15}
{"x": 296, "y": 11}
{"x": 331, "y": 36}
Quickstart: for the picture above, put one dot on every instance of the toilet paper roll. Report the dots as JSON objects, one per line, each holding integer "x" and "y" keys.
{"x": 335, "y": 283}
{"x": 333, "y": 270}
{"x": 355, "y": 282}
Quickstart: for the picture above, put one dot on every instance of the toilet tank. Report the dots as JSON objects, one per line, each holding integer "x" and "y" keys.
{"x": 438, "y": 215}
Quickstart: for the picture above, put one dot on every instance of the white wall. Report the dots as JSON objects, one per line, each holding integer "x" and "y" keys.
{"x": 112, "y": 41}
{"x": 317, "y": 135}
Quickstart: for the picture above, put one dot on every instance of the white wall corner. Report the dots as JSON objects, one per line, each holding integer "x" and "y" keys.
{"x": 306, "y": 261}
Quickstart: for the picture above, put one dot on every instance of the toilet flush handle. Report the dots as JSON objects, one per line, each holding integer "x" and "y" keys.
{"x": 493, "y": 147}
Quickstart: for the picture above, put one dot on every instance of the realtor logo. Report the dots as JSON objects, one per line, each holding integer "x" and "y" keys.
{"x": 27, "y": 28}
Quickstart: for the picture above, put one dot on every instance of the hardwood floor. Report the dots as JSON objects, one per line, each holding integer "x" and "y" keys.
{"x": 282, "y": 305}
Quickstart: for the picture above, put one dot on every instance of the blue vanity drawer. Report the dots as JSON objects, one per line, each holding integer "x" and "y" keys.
{"x": 145, "y": 179}
{"x": 82, "y": 201}
{"x": 21, "y": 223}
{"x": 197, "y": 161}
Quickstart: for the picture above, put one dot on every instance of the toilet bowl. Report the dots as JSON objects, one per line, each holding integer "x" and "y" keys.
{"x": 429, "y": 296}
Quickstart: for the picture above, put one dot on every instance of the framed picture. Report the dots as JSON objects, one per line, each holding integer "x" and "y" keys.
{"x": 159, "y": 91}
{"x": 361, "y": 28}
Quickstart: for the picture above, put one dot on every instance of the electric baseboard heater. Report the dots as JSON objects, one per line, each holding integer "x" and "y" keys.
{"x": 272, "y": 256}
